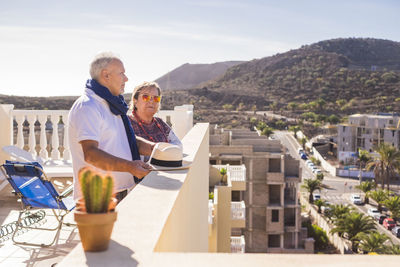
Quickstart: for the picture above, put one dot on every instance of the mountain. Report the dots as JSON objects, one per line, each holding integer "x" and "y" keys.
{"x": 354, "y": 69}
{"x": 190, "y": 75}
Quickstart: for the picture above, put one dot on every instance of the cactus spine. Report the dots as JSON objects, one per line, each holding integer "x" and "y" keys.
{"x": 96, "y": 190}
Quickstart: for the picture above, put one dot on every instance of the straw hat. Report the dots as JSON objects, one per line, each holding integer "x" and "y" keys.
{"x": 167, "y": 157}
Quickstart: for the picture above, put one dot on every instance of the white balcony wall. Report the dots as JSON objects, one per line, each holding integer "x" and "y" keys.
{"x": 237, "y": 244}
{"x": 238, "y": 210}
{"x": 181, "y": 119}
{"x": 37, "y": 135}
{"x": 210, "y": 211}
{"x": 237, "y": 173}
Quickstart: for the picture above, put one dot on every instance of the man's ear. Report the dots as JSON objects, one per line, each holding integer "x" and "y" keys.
{"x": 104, "y": 74}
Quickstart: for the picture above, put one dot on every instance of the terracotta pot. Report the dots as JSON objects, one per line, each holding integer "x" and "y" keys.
{"x": 95, "y": 229}
{"x": 80, "y": 205}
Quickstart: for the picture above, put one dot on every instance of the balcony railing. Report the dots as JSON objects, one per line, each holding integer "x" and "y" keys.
{"x": 33, "y": 129}
{"x": 210, "y": 211}
{"x": 237, "y": 244}
{"x": 237, "y": 173}
{"x": 238, "y": 210}
{"x": 42, "y": 124}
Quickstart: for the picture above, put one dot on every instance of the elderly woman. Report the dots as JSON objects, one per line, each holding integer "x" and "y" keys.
{"x": 146, "y": 99}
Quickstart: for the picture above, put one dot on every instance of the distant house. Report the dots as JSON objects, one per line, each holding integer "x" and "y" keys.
{"x": 367, "y": 131}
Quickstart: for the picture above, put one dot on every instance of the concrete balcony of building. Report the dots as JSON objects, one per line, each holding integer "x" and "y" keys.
{"x": 275, "y": 178}
{"x": 238, "y": 244}
{"x": 238, "y": 214}
{"x": 235, "y": 173}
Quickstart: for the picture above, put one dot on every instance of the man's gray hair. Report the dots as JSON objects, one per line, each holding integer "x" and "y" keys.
{"x": 100, "y": 62}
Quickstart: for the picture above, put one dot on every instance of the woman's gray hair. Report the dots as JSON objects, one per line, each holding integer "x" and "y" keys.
{"x": 140, "y": 88}
{"x": 100, "y": 62}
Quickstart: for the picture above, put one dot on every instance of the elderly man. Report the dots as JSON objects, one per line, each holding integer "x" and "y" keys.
{"x": 100, "y": 133}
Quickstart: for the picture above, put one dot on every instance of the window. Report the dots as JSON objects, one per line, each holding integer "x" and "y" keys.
{"x": 275, "y": 216}
{"x": 274, "y": 241}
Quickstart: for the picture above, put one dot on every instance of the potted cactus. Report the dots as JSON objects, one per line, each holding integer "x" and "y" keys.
{"x": 95, "y": 213}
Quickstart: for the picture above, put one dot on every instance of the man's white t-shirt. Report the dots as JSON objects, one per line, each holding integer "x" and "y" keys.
{"x": 90, "y": 118}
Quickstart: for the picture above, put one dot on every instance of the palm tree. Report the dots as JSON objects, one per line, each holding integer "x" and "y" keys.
{"x": 303, "y": 142}
{"x": 394, "y": 249}
{"x": 393, "y": 205}
{"x": 311, "y": 185}
{"x": 267, "y": 131}
{"x": 363, "y": 158}
{"x": 373, "y": 242}
{"x": 294, "y": 129}
{"x": 386, "y": 164}
{"x": 379, "y": 196}
{"x": 223, "y": 172}
{"x": 320, "y": 176}
{"x": 338, "y": 211}
{"x": 366, "y": 187}
{"x": 352, "y": 225}
{"x": 319, "y": 203}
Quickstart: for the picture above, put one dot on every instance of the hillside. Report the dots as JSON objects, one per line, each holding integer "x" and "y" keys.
{"x": 191, "y": 75}
{"x": 364, "y": 71}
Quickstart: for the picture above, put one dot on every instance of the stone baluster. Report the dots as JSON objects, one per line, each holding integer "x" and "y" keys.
{"x": 67, "y": 152}
{"x": 43, "y": 140}
{"x": 20, "y": 134}
{"x": 55, "y": 153}
{"x": 32, "y": 140}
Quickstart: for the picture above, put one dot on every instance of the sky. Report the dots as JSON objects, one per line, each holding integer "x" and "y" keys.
{"x": 46, "y": 46}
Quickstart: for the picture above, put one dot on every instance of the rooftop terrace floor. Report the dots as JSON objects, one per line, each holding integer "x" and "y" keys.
{"x": 21, "y": 255}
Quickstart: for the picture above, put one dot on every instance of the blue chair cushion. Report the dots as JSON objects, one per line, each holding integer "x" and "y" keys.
{"x": 27, "y": 180}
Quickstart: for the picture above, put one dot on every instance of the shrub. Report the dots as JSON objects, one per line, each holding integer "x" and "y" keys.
{"x": 389, "y": 77}
{"x": 319, "y": 235}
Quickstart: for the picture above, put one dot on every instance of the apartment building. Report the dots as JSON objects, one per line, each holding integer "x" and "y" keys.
{"x": 367, "y": 131}
{"x": 273, "y": 220}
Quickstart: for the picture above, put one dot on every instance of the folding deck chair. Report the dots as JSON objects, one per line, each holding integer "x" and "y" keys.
{"x": 34, "y": 189}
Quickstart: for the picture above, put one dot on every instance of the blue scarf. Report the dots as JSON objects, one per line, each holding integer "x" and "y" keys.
{"x": 117, "y": 106}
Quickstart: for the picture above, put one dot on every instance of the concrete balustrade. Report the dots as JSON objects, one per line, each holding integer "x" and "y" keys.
{"x": 49, "y": 140}
{"x": 238, "y": 210}
{"x": 237, "y": 244}
{"x": 237, "y": 173}
{"x": 53, "y": 144}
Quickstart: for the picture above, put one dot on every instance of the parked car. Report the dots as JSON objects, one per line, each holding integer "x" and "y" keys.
{"x": 316, "y": 171}
{"x": 373, "y": 212}
{"x": 326, "y": 207}
{"x": 356, "y": 199}
{"x": 303, "y": 156}
{"x": 396, "y": 231}
{"x": 310, "y": 164}
{"x": 389, "y": 223}
{"x": 316, "y": 196}
{"x": 308, "y": 161}
{"x": 381, "y": 218}
{"x": 300, "y": 150}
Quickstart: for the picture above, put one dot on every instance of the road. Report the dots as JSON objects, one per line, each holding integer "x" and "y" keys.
{"x": 271, "y": 114}
{"x": 337, "y": 190}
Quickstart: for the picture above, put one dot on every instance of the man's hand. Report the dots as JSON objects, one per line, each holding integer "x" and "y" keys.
{"x": 105, "y": 161}
{"x": 139, "y": 168}
{"x": 145, "y": 146}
